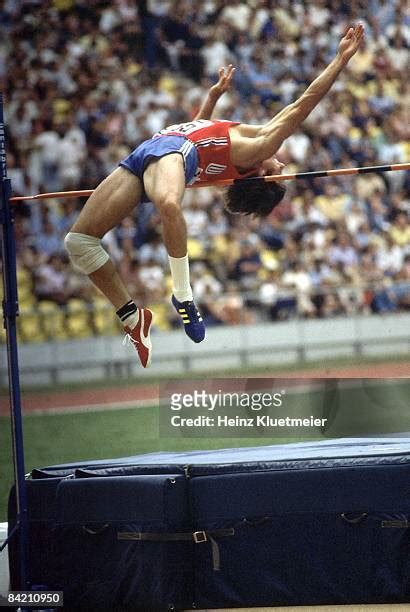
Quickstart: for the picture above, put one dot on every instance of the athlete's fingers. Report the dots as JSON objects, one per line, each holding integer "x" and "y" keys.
{"x": 229, "y": 76}
{"x": 231, "y": 71}
{"x": 225, "y": 77}
{"x": 349, "y": 33}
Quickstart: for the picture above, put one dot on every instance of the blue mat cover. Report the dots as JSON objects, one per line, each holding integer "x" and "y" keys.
{"x": 309, "y": 523}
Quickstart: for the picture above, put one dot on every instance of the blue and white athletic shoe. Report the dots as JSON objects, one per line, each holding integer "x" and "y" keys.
{"x": 192, "y": 320}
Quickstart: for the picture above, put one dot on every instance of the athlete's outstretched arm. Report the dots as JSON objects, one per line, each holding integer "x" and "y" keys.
{"x": 215, "y": 92}
{"x": 272, "y": 134}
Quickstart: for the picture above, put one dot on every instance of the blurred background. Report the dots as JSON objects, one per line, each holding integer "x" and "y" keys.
{"x": 86, "y": 82}
{"x": 324, "y": 280}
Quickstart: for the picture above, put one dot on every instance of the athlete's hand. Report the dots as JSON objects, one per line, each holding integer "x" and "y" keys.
{"x": 270, "y": 167}
{"x": 350, "y": 42}
{"x": 224, "y": 83}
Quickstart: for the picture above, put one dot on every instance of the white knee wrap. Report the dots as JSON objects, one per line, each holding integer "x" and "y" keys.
{"x": 86, "y": 253}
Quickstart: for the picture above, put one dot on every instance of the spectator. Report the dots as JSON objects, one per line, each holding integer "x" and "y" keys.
{"x": 51, "y": 281}
{"x": 230, "y": 307}
{"x": 343, "y": 252}
{"x": 196, "y": 218}
{"x": 151, "y": 277}
{"x": 48, "y": 241}
{"x": 47, "y": 144}
{"x": 204, "y": 283}
{"x": 247, "y": 266}
{"x": 153, "y": 249}
{"x": 400, "y": 230}
{"x": 390, "y": 256}
{"x": 299, "y": 279}
{"x": 71, "y": 153}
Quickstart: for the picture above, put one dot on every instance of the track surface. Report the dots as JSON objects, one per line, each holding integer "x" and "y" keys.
{"x": 133, "y": 395}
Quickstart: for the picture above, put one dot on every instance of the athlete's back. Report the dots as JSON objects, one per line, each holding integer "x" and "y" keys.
{"x": 212, "y": 141}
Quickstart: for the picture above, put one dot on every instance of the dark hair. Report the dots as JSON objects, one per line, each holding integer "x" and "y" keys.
{"x": 247, "y": 197}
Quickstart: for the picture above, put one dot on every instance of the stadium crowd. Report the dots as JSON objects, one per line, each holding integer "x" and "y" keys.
{"x": 87, "y": 80}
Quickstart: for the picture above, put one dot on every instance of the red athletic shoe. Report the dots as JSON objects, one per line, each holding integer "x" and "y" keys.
{"x": 140, "y": 336}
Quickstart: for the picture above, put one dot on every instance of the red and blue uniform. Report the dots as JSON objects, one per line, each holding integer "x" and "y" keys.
{"x": 204, "y": 145}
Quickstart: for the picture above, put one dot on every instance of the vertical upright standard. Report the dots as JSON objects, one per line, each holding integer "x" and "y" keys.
{"x": 10, "y": 313}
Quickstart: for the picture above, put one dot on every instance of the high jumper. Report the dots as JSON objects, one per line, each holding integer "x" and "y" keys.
{"x": 202, "y": 151}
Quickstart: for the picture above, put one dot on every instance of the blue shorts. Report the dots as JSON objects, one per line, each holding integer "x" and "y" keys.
{"x": 155, "y": 148}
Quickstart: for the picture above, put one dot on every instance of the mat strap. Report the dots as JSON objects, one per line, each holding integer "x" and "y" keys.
{"x": 198, "y": 537}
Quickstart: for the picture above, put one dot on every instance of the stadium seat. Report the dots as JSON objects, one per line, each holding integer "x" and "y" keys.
{"x": 168, "y": 284}
{"x": 195, "y": 249}
{"x": 79, "y": 321}
{"x": 23, "y": 276}
{"x": 269, "y": 259}
{"x": 29, "y": 326}
{"x": 218, "y": 250}
{"x": 161, "y": 311}
{"x": 27, "y": 300}
{"x": 104, "y": 318}
{"x": 25, "y": 286}
{"x": 53, "y": 320}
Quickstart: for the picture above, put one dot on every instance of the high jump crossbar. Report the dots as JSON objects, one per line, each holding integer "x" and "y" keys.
{"x": 226, "y": 182}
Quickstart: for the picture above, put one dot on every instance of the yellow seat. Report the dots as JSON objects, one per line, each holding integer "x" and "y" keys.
{"x": 168, "y": 284}
{"x": 219, "y": 244}
{"x": 23, "y": 276}
{"x": 53, "y": 320}
{"x": 405, "y": 147}
{"x": 79, "y": 323}
{"x": 29, "y": 326}
{"x": 160, "y": 310}
{"x": 27, "y": 300}
{"x": 269, "y": 259}
{"x": 25, "y": 295}
{"x": 195, "y": 249}
{"x": 355, "y": 133}
{"x": 24, "y": 283}
{"x": 105, "y": 321}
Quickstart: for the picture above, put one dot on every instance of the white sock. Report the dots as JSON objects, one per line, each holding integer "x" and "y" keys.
{"x": 128, "y": 314}
{"x": 180, "y": 278}
{"x": 132, "y": 320}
